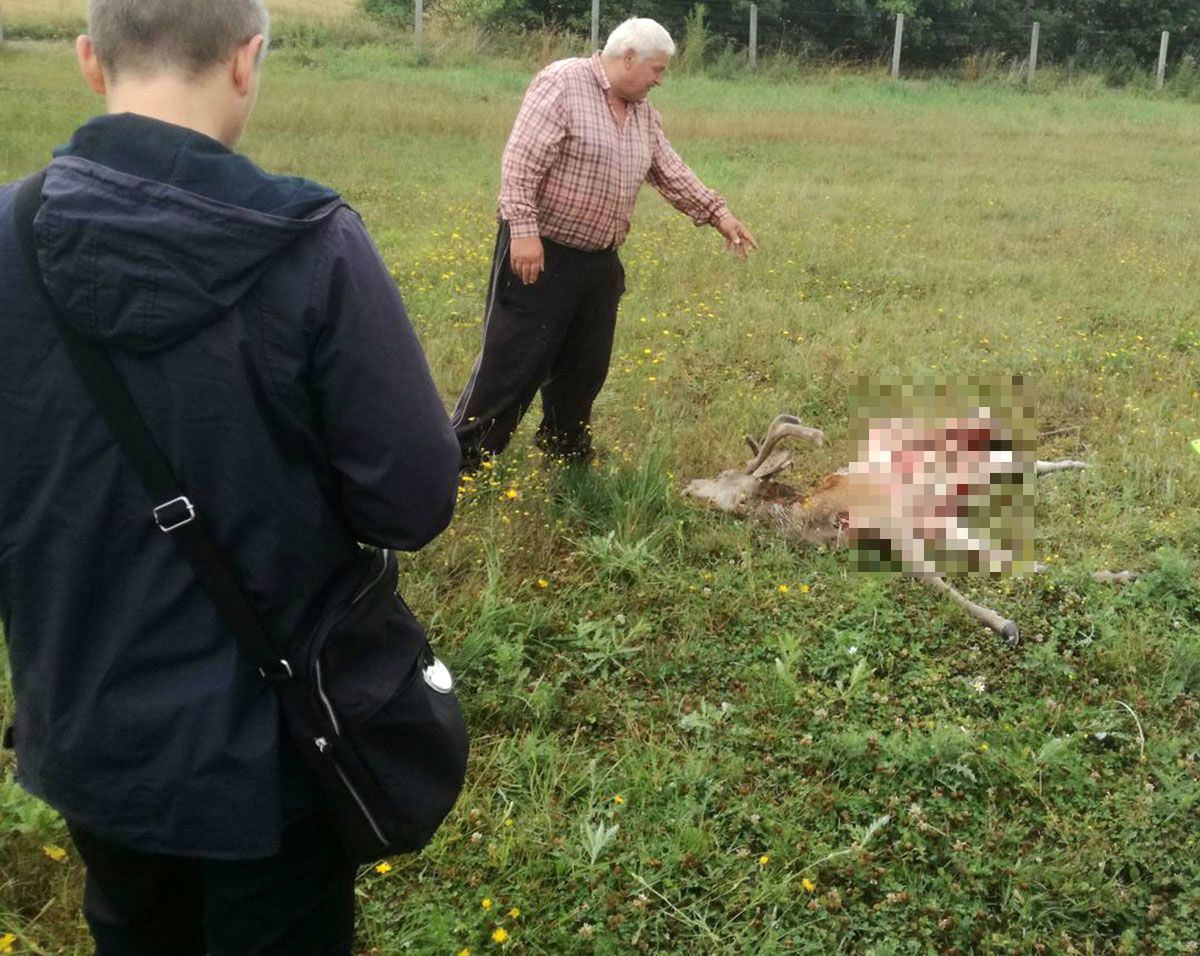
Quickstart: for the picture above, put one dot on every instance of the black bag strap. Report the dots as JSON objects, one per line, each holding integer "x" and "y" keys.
{"x": 176, "y": 515}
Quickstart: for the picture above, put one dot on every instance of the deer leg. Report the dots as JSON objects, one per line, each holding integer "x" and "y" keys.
{"x": 1001, "y": 625}
{"x": 1050, "y": 467}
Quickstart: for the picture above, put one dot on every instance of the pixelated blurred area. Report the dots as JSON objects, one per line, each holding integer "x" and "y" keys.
{"x": 942, "y": 479}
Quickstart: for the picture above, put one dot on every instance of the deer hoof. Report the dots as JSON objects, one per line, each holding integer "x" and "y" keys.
{"x": 1010, "y": 634}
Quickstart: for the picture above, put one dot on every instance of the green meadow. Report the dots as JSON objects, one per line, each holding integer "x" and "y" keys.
{"x": 690, "y": 737}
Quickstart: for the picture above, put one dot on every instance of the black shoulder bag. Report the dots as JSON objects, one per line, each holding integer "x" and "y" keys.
{"x": 368, "y": 706}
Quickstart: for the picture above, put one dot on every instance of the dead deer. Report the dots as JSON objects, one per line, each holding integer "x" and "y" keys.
{"x": 906, "y": 493}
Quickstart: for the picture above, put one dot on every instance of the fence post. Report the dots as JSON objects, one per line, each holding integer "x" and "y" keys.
{"x": 595, "y": 24}
{"x": 1033, "y": 45}
{"x": 1162, "y": 58}
{"x": 418, "y": 24}
{"x": 753, "y": 35}
{"x": 896, "y": 46}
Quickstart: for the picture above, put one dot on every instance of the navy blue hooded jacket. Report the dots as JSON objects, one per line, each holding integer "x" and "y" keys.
{"x": 265, "y": 343}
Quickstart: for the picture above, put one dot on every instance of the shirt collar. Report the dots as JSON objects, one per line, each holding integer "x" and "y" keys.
{"x": 598, "y": 71}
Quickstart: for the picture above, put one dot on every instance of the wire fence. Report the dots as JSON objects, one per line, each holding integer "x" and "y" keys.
{"x": 1136, "y": 44}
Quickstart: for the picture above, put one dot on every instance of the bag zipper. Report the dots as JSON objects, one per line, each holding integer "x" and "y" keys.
{"x": 337, "y": 729}
{"x": 322, "y": 745}
{"x": 375, "y": 580}
{"x": 325, "y": 701}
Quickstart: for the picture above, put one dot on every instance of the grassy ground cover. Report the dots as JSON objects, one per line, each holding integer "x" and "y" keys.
{"x": 689, "y": 737}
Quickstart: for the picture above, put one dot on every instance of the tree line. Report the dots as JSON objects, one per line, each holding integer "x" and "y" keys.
{"x": 936, "y": 32}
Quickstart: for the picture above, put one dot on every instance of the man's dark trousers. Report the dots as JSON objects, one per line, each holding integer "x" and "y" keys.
{"x": 555, "y": 336}
{"x": 299, "y": 902}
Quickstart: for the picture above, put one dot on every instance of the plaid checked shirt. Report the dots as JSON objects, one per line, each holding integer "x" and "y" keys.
{"x": 572, "y": 174}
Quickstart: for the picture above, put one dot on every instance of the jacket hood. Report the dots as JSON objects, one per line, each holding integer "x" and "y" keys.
{"x": 148, "y": 232}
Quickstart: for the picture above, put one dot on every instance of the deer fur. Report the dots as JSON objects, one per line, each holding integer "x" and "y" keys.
{"x": 907, "y": 491}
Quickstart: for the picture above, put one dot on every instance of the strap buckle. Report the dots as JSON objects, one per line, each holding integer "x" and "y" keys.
{"x": 174, "y": 514}
{"x": 277, "y": 674}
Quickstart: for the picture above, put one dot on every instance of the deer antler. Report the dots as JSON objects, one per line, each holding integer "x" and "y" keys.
{"x": 764, "y": 464}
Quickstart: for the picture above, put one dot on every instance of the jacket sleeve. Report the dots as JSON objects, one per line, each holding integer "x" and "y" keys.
{"x": 381, "y": 419}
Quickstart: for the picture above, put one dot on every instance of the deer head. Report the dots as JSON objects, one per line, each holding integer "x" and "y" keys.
{"x": 734, "y": 488}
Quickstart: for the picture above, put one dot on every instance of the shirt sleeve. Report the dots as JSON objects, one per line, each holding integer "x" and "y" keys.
{"x": 381, "y": 420}
{"x": 534, "y": 144}
{"x": 680, "y": 186}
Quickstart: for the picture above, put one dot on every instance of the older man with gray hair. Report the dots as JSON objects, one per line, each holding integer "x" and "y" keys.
{"x": 584, "y": 141}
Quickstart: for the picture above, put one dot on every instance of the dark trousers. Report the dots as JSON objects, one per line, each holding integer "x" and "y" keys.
{"x": 299, "y": 902}
{"x": 555, "y": 336}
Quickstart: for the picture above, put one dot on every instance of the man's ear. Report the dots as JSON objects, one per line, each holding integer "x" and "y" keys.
{"x": 629, "y": 59}
{"x": 244, "y": 64}
{"x": 89, "y": 65}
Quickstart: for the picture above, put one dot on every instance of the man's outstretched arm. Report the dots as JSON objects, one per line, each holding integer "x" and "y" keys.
{"x": 682, "y": 188}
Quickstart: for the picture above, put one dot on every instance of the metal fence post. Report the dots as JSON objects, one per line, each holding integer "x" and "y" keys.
{"x": 1162, "y": 58}
{"x": 896, "y": 46}
{"x": 753, "y": 35}
{"x": 1033, "y": 45}
{"x": 595, "y": 24}
{"x": 418, "y": 24}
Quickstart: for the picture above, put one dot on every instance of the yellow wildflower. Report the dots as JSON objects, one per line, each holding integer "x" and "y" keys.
{"x": 809, "y": 885}
{"x": 464, "y": 952}
{"x": 499, "y": 935}
{"x": 783, "y": 589}
{"x": 764, "y": 860}
{"x": 543, "y": 583}
{"x": 514, "y": 912}
{"x": 983, "y": 748}
{"x": 384, "y": 867}
{"x": 486, "y": 904}
{"x": 510, "y": 494}
{"x": 804, "y": 589}
{"x": 618, "y": 799}
{"x": 56, "y": 853}
{"x": 6, "y": 942}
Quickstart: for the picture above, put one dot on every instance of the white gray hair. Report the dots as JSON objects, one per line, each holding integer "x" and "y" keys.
{"x": 645, "y": 37}
{"x": 142, "y": 36}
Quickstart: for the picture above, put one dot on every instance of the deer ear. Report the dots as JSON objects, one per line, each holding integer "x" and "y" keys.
{"x": 774, "y": 464}
{"x": 754, "y": 446}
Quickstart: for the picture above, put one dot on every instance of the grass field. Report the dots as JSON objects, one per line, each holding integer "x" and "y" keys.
{"x": 690, "y": 738}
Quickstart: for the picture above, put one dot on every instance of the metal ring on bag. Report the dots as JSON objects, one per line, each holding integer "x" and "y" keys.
{"x": 437, "y": 675}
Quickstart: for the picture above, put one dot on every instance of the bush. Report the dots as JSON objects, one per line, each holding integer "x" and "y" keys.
{"x": 697, "y": 39}
{"x": 393, "y": 13}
